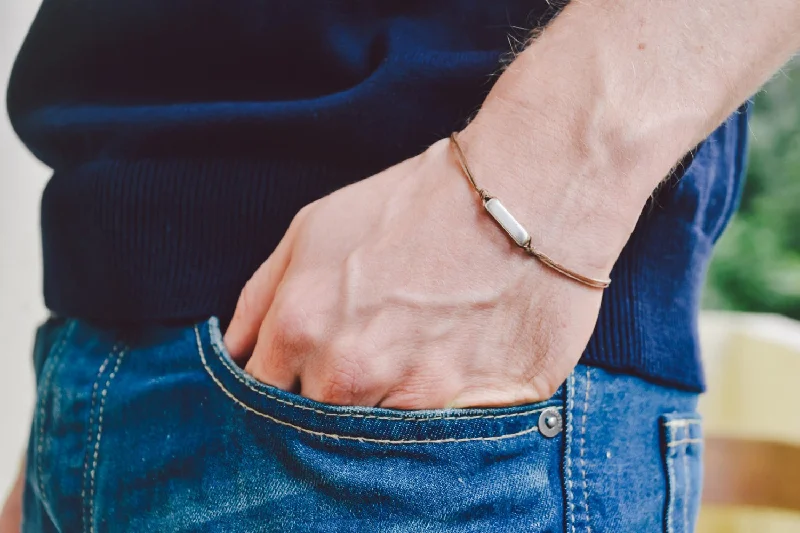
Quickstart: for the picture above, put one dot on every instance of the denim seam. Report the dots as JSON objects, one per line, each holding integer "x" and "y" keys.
{"x": 96, "y": 453}
{"x": 215, "y": 379}
{"x": 570, "y": 518}
{"x": 408, "y": 418}
{"x": 89, "y": 434}
{"x": 56, "y": 356}
{"x": 582, "y": 448}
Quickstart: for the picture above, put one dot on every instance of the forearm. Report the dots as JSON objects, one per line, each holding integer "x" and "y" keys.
{"x": 583, "y": 125}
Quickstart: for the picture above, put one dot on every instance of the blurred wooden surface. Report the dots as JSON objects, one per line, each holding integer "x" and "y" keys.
{"x": 715, "y": 519}
{"x": 752, "y": 473}
{"x": 752, "y": 424}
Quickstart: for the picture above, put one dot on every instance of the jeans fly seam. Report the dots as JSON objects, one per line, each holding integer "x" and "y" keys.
{"x": 56, "y": 356}
{"x": 372, "y": 417}
{"x": 96, "y": 453}
{"x": 218, "y": 383}
{"x": 89, "y": 435}
{"x": 582, "y": 448}
{"x": 570, "y": 518}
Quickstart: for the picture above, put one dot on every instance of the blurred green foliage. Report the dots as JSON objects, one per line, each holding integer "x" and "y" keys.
{"x": 756, "y": 266}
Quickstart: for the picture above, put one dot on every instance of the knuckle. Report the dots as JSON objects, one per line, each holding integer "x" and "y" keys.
{"x": 413, "y": 399}
{"x": 346, "y": 378}
{"x": 423, "y": 390}
{"x": 293, "y": 330}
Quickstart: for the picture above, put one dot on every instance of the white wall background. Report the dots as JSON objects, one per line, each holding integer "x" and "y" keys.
{"x": 21, "y": 308}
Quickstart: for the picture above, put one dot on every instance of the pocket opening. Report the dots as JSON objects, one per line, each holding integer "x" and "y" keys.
{"x": 365, "y": 424}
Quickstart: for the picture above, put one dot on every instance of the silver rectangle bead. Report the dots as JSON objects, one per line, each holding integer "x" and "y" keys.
{"x": 507, "y": 221}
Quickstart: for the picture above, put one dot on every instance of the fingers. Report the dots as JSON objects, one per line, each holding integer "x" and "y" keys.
{"x": 276, "y": 356}
{"x": 256, "y": 298}
{"x": 299, "y": 351}
{"x": 346, "y": 378}
{"x": 254, "y": 301}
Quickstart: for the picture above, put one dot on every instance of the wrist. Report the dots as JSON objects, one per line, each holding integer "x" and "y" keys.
{"x": 568, "y": 202}
{"x": 581, "y": 128}
{"x": 575, "y": 163}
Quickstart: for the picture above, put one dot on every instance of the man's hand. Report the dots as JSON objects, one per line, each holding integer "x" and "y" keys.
{"x": 399, "y": 291}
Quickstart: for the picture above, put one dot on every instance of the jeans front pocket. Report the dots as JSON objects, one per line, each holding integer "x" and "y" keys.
{"x": 374, "y": 469}
{"x": 369, "y": 424}
{"x": 683, "y": 450}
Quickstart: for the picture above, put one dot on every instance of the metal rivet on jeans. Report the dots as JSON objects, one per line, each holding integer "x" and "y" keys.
{"x": 550, "y": 422}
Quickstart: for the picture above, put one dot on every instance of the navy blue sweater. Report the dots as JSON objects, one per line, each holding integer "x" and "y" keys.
{"x": 184, "y": 136}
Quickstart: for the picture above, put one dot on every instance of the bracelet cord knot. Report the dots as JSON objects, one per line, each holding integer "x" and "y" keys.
{"x": 514, "y": 229}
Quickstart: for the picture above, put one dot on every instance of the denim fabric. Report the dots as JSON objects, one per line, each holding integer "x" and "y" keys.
{"x": 157, "y": 430}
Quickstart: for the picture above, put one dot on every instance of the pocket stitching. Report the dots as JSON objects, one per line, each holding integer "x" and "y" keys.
{"x": 410, "y": 418}
{"x": 218, "y": 383}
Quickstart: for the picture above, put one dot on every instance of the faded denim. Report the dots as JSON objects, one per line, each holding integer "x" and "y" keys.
{"x": 157, "y": 430}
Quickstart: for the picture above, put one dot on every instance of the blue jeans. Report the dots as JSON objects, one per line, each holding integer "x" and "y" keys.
{"x": 157, "y": 430}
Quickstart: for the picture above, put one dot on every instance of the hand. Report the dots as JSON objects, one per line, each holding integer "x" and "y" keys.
{"x": 400, "y": 292}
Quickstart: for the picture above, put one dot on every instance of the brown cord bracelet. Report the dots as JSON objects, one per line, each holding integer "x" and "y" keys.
{"x": 514, "y": 229}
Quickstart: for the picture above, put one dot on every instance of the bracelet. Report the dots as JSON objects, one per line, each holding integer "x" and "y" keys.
{"x": 514, "y": 229}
